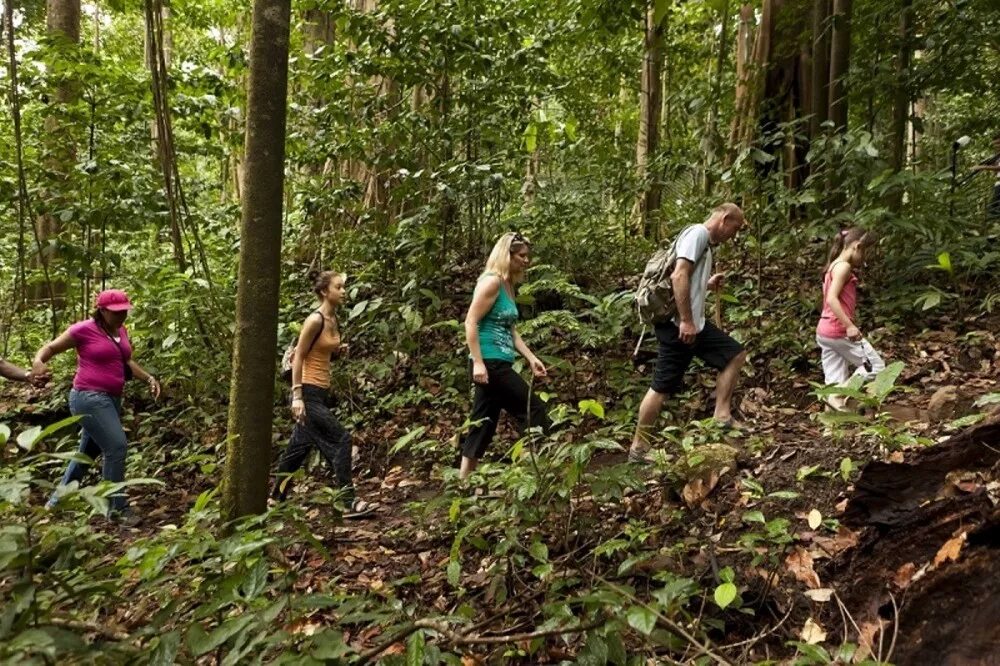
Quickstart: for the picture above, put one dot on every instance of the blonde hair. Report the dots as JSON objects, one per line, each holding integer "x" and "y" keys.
{"x": 499, "y": 259}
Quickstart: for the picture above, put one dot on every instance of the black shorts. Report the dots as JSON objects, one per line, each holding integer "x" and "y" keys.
{"x": 673, "y": 357}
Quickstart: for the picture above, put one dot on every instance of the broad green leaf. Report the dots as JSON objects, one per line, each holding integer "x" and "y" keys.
{"x": 531, "y": 138}
{"x": 930, "y": 299}
{"x": 329, "y": 645}
{"x": 988, "y": 399}
{"x": 592, "y": 407}
{"x": 885, "y": 380}
{"x": 165, "y": 652}
{"x": 944, "y": 261}
{"x": 454, "y": 572}
{"x": 846, "y": 467}
{"x": 805, "y": 472}
{"x": 966, "y": 421}
{"x": 641, "y": 619}
{"x": 32, "y": 436}
{"x": 725, "y": 594}
{"x": 415, "y": 649}
{"x": 26, "y": 439}
{"x": 357, "y": 310}
{"x": 616, "y": 649}
{"x": 539, "y": 551}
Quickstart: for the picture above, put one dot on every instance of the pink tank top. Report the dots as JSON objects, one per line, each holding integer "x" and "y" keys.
{"x": 829, "y": 326}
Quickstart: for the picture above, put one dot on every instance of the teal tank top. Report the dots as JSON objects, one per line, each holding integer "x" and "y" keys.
{"x": 496, "y": 337}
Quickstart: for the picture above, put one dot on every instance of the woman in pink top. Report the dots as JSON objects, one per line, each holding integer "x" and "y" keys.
{"x": 103, "y": 364}
{"x": 845, "y": 350}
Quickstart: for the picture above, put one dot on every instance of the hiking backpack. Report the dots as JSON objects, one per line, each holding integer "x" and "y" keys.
{"x": 654, "y": 297}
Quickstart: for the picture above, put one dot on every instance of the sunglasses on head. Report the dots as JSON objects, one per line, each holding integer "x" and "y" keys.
{"x": 518, "y": 238}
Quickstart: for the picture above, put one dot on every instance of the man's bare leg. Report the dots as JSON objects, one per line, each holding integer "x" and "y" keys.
{"x": 725, "y": 386}
{"x": 649, "y": 411}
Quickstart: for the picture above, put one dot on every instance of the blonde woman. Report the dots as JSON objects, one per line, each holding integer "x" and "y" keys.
{"x": 492, "y": 337}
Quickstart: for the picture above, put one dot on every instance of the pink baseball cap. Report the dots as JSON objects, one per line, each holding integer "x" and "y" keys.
{"x": 115, "y": 300}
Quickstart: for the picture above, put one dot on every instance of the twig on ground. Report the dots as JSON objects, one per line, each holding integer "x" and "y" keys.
{"x": 895, "y": 628}
{"x": 108, "y": 631}
{"x": 460, "y": 638}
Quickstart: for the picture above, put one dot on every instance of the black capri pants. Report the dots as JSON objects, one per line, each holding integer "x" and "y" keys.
{"x": 505, "y": 390}
{"x": 322, "y": 430}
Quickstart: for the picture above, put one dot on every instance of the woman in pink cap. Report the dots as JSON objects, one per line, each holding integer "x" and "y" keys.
{"x": 103, "y": 364}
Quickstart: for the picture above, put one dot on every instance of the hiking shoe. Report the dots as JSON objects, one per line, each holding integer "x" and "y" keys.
{"x": 360, "y": 509}
{"x": 730, "y": 424}
{"x": 124, "y": 518}
{"x": 637, "y": 457}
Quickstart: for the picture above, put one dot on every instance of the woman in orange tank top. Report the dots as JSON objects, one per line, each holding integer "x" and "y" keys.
{"x": 315, "y": 424}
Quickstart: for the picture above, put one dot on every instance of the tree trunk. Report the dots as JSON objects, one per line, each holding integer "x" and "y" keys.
{"x": 840, "y": 60}
{"x": 713, "y": 140}
{"x": 251, "y": 398}
{"x": 744, "y": 72}
{"x": 63, "y": 26}
{"x": 819, "y": 105}
{"x": 901, "y": 92}
{"x": 318, "y": 31}
{"x": 647, "y": 204}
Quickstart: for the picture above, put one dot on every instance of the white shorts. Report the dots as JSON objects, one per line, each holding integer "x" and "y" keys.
{"x": 843, "y": 357}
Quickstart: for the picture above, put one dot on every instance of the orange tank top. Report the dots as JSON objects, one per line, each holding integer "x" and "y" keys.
{"x": 316, "y": 364}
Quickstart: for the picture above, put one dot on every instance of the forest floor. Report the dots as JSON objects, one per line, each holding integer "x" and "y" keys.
{"x": 900, "y": 558}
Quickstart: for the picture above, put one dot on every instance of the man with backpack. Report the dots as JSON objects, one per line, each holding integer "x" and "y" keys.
{"x": 671, "y": 298}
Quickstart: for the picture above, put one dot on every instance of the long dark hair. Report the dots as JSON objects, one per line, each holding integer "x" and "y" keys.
{"x": 847, "y": 236}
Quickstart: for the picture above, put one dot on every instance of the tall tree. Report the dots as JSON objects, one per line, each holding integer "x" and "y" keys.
{"x": 647, "y": 202}
{"x": 840, "y": 60}
{"x": 62, "y": 25}
{"x": 819, "y": 105}
{"x": 252, "y": 387}
{"x": 902, "y": 93}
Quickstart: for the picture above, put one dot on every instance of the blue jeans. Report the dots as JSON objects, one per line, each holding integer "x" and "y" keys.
{"x": 101, "y": 434}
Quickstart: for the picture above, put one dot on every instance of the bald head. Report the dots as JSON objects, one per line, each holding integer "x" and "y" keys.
{"x": 726, "y": 219}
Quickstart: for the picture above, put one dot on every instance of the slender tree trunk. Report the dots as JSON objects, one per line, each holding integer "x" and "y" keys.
{"x": 251, "y": 398}
{"x": 840, "y": 60}
{"x": 23, "y": 201}
{"x": 901, "y": 93}
{"x": 647, "y": 204}
{"x": 714, "y": 146}
{"x": 819, "y": 105}
{"x": 63, "y": 27}
{"x": 744, "y": 72}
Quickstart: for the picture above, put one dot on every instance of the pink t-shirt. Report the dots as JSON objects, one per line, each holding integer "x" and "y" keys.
{"x": 829, "y": 326}
{"x": 99, "y": 365}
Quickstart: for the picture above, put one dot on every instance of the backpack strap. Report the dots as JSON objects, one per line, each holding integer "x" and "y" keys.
{"x": 322, "y": 323}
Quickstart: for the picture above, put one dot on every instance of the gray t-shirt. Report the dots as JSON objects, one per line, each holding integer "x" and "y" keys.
{"x": 692, "y": 244}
